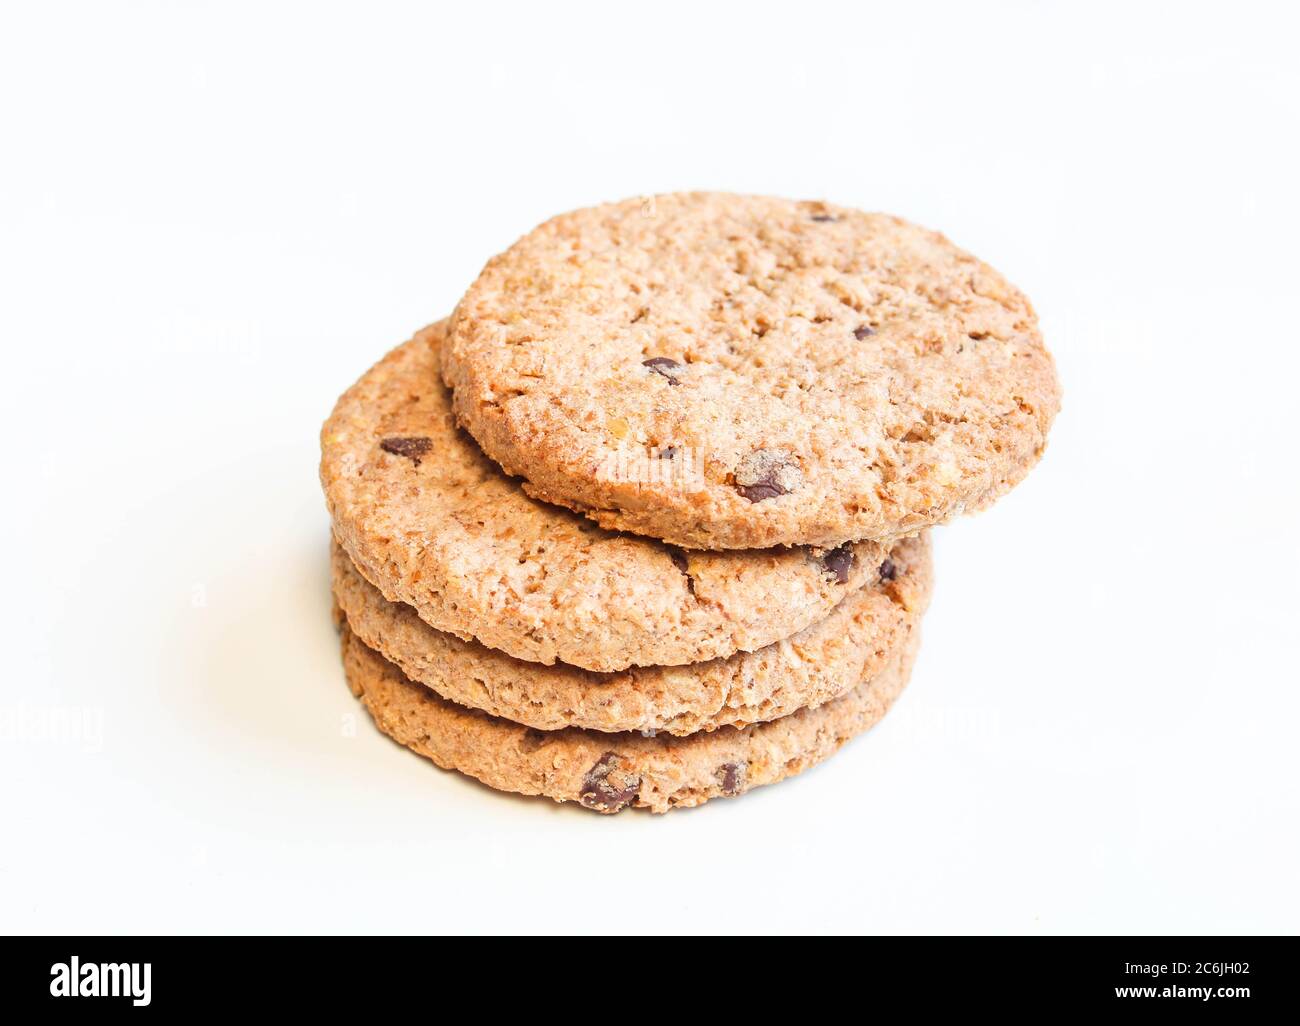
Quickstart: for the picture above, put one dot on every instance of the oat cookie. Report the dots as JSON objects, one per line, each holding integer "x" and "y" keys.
{"x": 820, "y": 663}
{"x": 432, "y": 522}
{"x": 824, "y": 374}
{"x": 611, "y": 772}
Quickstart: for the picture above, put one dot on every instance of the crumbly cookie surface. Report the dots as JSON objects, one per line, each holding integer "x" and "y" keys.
{"x": 818, "y": 664}
{"x": 432, "y": 522}
{"x": 818, "y": 373}
{"x": 610, "y": 772}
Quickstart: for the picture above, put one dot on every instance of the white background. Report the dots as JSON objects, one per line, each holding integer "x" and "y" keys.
{"x": 214, "y": 217}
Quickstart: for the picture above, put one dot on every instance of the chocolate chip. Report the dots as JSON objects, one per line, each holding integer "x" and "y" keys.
{"x": 731, "y": 775}
{"x": 767, "y": 473}
{"x": 683, "y": 564}
{"x": 534, "y": 739}
{"x": 605, "y": 795}
{"x": 863, "y": 331}
{"x": 888, "y": 571}
{"x": 760, "y": 492}
{"x": 414, "y": 449}
{"x": 822, "y": 218}
{"x": 666, "y": 368}
{"x": 838, "y": 562}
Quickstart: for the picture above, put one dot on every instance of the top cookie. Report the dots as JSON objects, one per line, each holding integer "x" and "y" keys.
{"x": 432, "y": 522}
{"x": 739, "y": 372}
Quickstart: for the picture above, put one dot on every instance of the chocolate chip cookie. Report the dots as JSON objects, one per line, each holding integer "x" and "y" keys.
{"x": 611, "y": 772}
{"x": 818, "y": 664}
{"x": 431, "y": 522}
{"x": 808, "y": 373}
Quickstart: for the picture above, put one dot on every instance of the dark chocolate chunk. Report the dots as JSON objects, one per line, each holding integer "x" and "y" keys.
{"x": 863, "y": 331}
{"x": 683, "y": 564}
{"x": 666, "y": 368}
{"x": 731, "y": 775}
{"x": 822, "y": 218}
{"x": 534, "y": 739}
{"x": 761, "y": 491}
{"x": 888, "y": 571}
{"x": 838, "y": 562}
{"x": 601, "y": 793}
{"x": 414, "y": 449}
{"x": 767, "y": 473}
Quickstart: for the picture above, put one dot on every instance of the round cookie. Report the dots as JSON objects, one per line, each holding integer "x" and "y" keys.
{"x": 818, "y": 664}
{"x": 610, "y": 772}
{"x": 818, "y": 373}
{"x": 432, "y": 522}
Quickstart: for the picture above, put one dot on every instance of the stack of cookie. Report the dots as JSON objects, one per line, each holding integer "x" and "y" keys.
{"x": 643, "y": 523}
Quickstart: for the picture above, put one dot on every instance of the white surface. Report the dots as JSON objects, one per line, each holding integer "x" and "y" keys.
{"x": 212, "y": 221}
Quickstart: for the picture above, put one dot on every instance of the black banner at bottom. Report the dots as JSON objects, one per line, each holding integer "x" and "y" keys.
{"x": 134, "y": 977}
